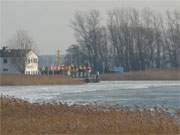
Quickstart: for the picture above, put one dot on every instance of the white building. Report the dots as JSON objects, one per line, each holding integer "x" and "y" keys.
{"x": 18, "y": 61}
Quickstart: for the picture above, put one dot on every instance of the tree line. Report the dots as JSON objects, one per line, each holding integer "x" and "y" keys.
{"x": 133, "y": 39}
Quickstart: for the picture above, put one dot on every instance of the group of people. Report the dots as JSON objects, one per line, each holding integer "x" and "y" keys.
{"x": 73, "y": 71}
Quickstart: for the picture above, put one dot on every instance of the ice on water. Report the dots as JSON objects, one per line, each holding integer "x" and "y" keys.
{"x": 128, "y": 93}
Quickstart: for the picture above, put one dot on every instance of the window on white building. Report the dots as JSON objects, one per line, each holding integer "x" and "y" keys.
{"x": 35, "y": 60}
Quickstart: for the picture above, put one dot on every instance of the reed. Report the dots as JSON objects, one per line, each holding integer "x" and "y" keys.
{"x": 20, "y": 79}
{"x": 151, "y": 74}
{"x": 19, "y": 117}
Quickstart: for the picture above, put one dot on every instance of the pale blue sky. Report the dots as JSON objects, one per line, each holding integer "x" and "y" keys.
{"x": 48, "y": 22}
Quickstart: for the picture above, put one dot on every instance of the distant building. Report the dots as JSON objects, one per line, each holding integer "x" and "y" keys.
{"x": 117, "y": 69}
{"x": 49, "y": 60}
{"x": 18, "y": 61}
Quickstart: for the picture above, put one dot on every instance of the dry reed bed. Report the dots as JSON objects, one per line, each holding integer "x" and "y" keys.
{"x": 19, "y": 117}
{"x": 19, "y": 79}
{"x": 153, "y": 74}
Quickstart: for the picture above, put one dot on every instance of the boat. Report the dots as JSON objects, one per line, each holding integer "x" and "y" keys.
{"x": 92, "y": 80}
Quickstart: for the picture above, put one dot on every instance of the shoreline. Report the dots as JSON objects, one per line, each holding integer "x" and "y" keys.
{"x": 148, "y": 75}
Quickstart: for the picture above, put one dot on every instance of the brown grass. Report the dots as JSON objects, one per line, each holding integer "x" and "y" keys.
{"x": 19, "y": 117}
{"x": 155, "y": 74}
{"x": 17, "y": 79}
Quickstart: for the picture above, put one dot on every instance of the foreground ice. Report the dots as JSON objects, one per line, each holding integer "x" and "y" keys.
{"x": 126, "y": 93}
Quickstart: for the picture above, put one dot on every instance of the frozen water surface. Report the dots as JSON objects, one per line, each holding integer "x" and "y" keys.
{"x": 127, "y": 93}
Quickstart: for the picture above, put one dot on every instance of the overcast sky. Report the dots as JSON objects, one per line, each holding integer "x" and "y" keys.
{"x": 48, "y": 22}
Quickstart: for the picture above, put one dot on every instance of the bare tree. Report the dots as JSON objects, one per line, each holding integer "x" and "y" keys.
{"x": 22, "y": 43}
{"x": 173, "y": 37}
{"x": 22, "y": 40}
{"x": 75, "y": 56}
{"x": 136, "y": 40}
{"x": 91, "y": 37}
